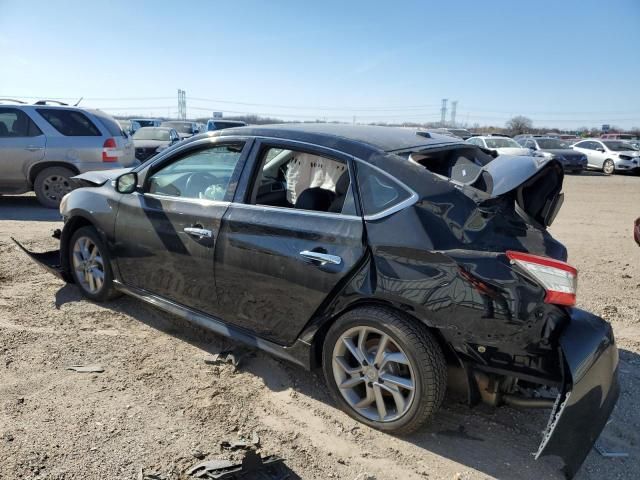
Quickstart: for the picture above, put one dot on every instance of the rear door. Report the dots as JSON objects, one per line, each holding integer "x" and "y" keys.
{"x": 166, "y": 232}
{"x": 281, "y": 251}
{"x": 22, "y": 144}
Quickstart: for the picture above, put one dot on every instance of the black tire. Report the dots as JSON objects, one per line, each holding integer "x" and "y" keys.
{"x": 608, "y": 167}
{"x": 107, "y": 289}
{"x": 52, "y": 184}
{"x": 419, "y": 346}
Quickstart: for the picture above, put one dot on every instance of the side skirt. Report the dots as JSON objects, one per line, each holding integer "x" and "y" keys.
{"x": 298, "y": 353}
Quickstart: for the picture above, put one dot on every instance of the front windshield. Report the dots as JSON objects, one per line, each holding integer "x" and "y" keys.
{"x": 148, "y": 133}
{"x": 619, "y": 146}
{"x": 182, "y": 127}
{"x": 501, "y": 143}
{"x": 552, "y": 144}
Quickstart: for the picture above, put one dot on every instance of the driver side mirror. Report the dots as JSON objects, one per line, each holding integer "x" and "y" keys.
{"x": 127, "y": 182}
{"x": 600, "y": 149}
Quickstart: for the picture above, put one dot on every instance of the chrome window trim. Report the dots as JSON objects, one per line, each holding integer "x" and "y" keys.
{"x": 297, "y": 211}
{"x": 413, "y": 198}
{"x": 204, "y": 202}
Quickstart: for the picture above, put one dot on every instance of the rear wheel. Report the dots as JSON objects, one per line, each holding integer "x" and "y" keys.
{"x": 90, "y": 265}
{"x": 384, "y": 369}
{"x": 52, "y": 184}
{"x": 608, "y": 167}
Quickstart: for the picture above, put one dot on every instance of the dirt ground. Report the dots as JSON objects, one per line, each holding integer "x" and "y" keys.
{"x": 158, "y": 407}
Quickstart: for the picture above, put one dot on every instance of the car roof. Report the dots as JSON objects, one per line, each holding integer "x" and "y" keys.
{"x": 388, "y": 139}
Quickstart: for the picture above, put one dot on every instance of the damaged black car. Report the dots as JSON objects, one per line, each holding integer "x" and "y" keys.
{"x": 385, "y": 257}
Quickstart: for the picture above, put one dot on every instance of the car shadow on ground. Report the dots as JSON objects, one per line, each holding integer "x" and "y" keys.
{"x": 493, "y": 441}
{"x": 26, "y": 207}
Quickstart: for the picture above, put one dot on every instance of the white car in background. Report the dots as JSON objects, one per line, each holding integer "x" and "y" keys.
{"x": 610, "y": 156}
{"x": 501, "y": 145}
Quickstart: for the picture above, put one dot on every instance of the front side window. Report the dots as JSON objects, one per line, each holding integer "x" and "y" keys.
{"x": 303, "y": 181}
{"x": 15, "y": 123}
{"x": 204, "y": 174}
{"x": 378, "y": 191}
{"x": 70, "y": 123}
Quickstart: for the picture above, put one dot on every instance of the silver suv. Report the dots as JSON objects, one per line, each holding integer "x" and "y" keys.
{"x": 42, "y": 146}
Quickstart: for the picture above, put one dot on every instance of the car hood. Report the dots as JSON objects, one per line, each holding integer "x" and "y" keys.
{"x": 565, "y": 152}
{"x": 512, "y": 151}
{"x": 98, "y": 177}
{"x": 150, "y": 143}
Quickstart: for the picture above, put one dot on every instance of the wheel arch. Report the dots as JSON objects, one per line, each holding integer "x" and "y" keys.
{"x": 72, "y": 225}
{"x": 36, "y": 168}
{"x": 320, "y": 334}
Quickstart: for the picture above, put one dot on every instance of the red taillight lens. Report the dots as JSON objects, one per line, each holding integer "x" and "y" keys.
{"x": 559, "y": 279}
{"x": 110, "y": 152}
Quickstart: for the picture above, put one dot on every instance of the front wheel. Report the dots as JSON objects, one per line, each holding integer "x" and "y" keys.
{"x": 90, "y": 267}
{"x": 384, "y": 369}
{"x": 608, "y": 167}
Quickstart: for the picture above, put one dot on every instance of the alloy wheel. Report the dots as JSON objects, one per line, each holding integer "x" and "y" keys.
{"x": 55, "y": 187}
{"x": 88, "y": 265}
{"x": 373, "y": 374}
{"x": 608, "y": 167}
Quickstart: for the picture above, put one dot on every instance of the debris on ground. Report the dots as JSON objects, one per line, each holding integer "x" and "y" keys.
{"x": 253, "y": 467}
{"x": 609, "y": 454}
{"x": 242, "y": 443}
{"x": 234, "y": 357}
{"x": 86, "y": 368}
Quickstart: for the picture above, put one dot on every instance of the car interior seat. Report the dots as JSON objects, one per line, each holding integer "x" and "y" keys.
{"x": 316, "y": 198}
{"x": 342, "y": 186}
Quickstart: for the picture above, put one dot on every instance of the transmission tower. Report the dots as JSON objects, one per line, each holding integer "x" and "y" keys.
{"x": 443, "y": 112}
{"x": 454, "y": 106}
{"x": 182, "y": 104}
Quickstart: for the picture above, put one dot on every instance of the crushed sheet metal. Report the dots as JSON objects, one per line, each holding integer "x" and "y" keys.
{"x": 241, "y": 444}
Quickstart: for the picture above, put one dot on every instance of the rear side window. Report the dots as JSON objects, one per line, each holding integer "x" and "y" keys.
{"x": 15, "y": 123}
{"x": 70, "y": 123}
{"x": 110, "y": 124}
{"x": 378, "y": 191}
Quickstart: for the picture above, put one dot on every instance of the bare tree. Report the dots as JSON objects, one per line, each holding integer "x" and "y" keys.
{"x": 519, "y": 124}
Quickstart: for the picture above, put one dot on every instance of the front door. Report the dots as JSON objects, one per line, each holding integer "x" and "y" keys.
{"x": 290, "y": 242}
{"x": 166, "y": 233}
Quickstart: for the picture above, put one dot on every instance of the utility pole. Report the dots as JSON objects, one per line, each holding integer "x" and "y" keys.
{"x": 443, "y": 112}
{"x": 182, "y": 104}
{"x": 454, "y": 106}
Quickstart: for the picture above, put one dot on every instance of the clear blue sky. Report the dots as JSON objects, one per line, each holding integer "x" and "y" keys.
{"x": 562, "y": 63}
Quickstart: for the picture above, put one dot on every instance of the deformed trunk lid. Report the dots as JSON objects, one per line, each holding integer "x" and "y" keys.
{"x": 591, "y": 390}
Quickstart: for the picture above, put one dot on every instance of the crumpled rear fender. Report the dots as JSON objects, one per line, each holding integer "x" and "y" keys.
{"x": 590, "y": 392}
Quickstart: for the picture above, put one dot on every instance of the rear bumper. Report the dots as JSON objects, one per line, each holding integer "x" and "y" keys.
{"x": 590, "y": 392}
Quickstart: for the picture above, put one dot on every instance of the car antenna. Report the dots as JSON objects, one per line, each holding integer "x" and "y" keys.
{"x": 78, "y": 102}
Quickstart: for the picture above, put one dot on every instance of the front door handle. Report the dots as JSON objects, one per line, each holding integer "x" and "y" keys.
{"x": 34, "y": 148}
{"x": 198, "y": 232}
{"x": 322, "y": 258}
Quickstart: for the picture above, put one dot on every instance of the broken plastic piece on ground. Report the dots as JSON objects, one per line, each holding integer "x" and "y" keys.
{"x": 253, "y": 467}
{"x": 606, "y": 453}
{"x": 241, "y": 444}
{"x": 234, "y": 357}
{"x": 86, "y": 368}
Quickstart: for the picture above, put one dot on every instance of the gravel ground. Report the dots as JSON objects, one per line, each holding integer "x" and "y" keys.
{"x": 159, "y": 408}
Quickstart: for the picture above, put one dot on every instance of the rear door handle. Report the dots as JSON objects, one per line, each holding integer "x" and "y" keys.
{"x": 34, "y": 148}
{"x": 198, "y": 232}
{"x": 323, "y": 258}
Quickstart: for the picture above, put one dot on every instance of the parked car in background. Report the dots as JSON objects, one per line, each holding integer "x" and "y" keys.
{"x": 43, "y": 146}
{"x": 618, "y": 136}
{"x": 146, "y": 122}
{"x": 525, "y": 136}
{"x": 610, "y": 156}
{"x": 219, "y": 124}
{"x": 184, "y": 128}
{"x": 634, "y": 143}
{"x": 126, "y": 125}
{"x": 560, "y": 150}
{"x": 361, "y": 255}
{"x": 455, "y": 132}
{"x": 499, "y": 144}
{"x": 148, "y": 141}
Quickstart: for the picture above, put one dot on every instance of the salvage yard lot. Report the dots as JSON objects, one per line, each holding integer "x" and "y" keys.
{"x": 158, "y": 406}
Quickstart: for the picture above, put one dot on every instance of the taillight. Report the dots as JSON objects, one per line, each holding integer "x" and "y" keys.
{"x": 110, "y": 152}
{"x": 559, "y": 279}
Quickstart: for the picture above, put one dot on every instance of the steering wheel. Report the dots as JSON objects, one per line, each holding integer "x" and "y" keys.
{"x": 198, "y": 182}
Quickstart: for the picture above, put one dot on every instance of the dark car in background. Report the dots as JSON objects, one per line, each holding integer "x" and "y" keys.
{"x": 149, "y": 141}
{"x": 554, "y": 148}
{"x": 214, "y": 124}
{"x": 382, "y": 256}
{"x": 184, "y": 128}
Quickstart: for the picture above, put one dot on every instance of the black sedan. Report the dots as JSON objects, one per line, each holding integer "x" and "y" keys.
{"x": 556, "y": 149}
{"x": 383, "y": 257}
{"x": 149, "y": 141}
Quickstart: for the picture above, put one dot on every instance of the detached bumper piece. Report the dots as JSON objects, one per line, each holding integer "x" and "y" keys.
{"x": 50, "y": 261}
{"x": 253, "y": 467}
{"x": 591, "y": 390}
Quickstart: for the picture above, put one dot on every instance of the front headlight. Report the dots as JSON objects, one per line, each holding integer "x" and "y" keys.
{"x": 624, "y": 157}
